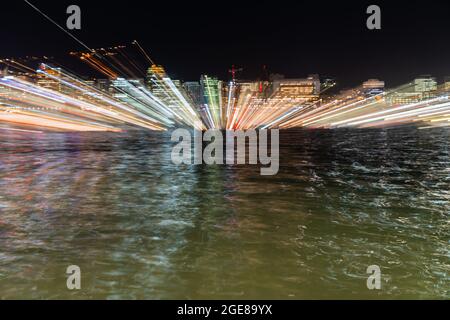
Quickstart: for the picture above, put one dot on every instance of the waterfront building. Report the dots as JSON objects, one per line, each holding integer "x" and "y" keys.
{"x": 425, "y": 84}
{"x": 421, "y": 88}
{"x": 49, "y": 83}
{"x": 372, "y": 87}
{"x": 212, "y": 92}
{"x": 447, "y": 83}
{"x": 307, "y": 89}
{"x": 399, "y": 98}
{"x": 156, "y": 70}
{"x": 194, "y": 90}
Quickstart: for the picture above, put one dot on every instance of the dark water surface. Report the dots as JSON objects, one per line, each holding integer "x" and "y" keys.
{"x": 141, "y": 227}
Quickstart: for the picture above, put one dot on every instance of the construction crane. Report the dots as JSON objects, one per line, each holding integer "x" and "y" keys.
{"x": 234, "y": 71}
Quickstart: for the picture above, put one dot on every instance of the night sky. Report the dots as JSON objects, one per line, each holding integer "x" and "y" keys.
{"x": 294, "y": 38}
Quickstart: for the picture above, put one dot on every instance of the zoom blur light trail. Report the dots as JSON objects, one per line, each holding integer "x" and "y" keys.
{"x": 375, "y": 111}
{"x": 25, "y": 103}
{"x": 170, "y": 105}
{"x": 144, "y": 96}
{"x": 26, "y": 97}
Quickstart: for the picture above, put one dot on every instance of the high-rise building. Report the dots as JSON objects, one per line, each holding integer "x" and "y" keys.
{"x": 155, "y": 75}
{"x": 157, "y": 70}
{"x": 212, "y": 93}
{"x": 194, "y": 90}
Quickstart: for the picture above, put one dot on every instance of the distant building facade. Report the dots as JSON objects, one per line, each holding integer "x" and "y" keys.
{"x": 447, "y": 83}
{"x": 424, "y": 87}
{"x": 373, "y": 87}
{"x": 194, "y": 90}
{"x": 307, "y": 89}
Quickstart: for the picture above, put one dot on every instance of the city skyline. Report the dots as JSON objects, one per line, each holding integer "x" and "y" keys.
{"x": 134, "y": 90}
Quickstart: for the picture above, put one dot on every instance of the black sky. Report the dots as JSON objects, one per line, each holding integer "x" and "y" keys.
{"x": 294, "y": 38}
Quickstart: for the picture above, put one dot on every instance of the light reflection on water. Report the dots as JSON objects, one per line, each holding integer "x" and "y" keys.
{"x": 141, "y": 227}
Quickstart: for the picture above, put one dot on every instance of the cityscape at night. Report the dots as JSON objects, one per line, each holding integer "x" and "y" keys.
{"x": 136, "y": 162}
{"x": 140, "y": 94}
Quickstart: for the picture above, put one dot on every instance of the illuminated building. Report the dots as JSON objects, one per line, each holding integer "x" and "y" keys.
{"x": 447, "y": 83}
{"x": 372, "y": 87}
{"x": 49, "y": 83}
{"x": 167, "y": 91}
{"x": 425, "y": 84}
{"x": 156, "y": 70}
{"x": 194, "y": 90}
{"x": 212, "y": 92}
{"x": 155, "y": 82}
{"x": 421, "y": 88}
{"x": 306, "y": 89}
{"x": 399, "y": 98}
